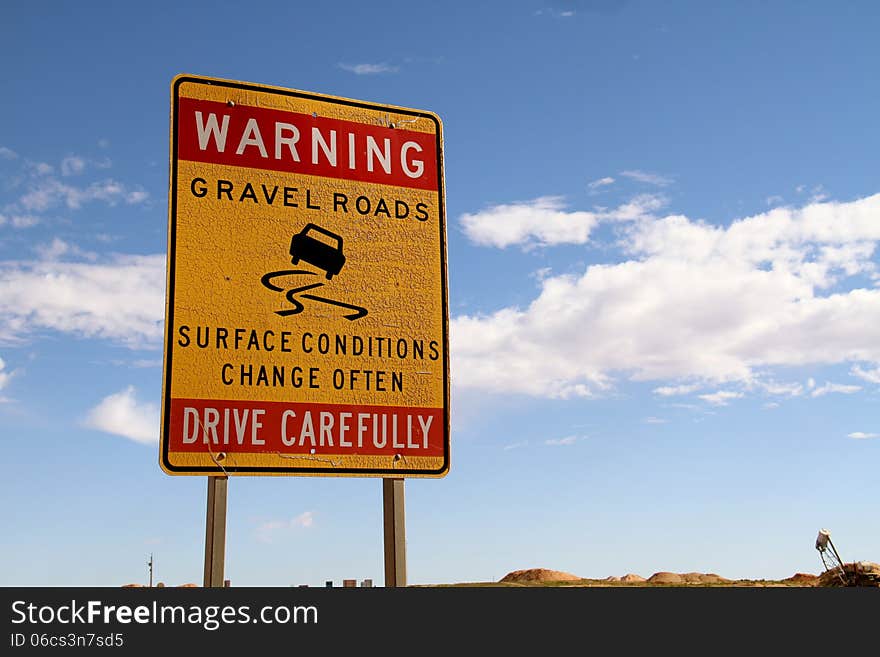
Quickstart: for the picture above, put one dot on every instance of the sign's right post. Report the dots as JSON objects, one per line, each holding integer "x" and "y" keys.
{"x": 395, "y": 532}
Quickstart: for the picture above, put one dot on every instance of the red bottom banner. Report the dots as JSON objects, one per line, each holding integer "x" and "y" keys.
{"x": 209, "y": 425}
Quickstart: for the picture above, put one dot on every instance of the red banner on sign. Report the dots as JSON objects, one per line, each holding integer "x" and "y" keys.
{"x": 261, "y": 138}
{"x": 216, "y": 425}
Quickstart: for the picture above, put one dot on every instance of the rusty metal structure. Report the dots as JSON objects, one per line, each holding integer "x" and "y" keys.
{"x": 830, "y": 558}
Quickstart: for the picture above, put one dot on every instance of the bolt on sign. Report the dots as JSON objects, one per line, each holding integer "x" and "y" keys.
{"x": 306, "y": 318}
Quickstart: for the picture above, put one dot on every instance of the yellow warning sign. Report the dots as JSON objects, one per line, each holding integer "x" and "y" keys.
{"x": 307, "y": 322}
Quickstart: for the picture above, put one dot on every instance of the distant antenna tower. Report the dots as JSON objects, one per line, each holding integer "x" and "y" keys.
{"x": 150, "y": 564}
{"x": 828, "y": 553}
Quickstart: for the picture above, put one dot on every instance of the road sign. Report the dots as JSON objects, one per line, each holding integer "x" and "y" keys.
{"x": 306, "y": 328}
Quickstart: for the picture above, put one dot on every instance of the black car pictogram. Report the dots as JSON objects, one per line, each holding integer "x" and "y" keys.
{"x": 328, "y": 257}
{"x": 324, "y": 255}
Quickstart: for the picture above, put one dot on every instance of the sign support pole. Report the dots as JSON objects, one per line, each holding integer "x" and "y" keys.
{"x": 215, "y": 531}
{"x": 394, "y": 521}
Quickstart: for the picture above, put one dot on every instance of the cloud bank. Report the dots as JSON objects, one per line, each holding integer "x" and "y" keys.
{"x": 689, "y": 303}
{"x": 122, "y": 299}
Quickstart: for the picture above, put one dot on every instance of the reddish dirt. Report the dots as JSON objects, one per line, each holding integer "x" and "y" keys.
{"x": 804, "y": 579}
{"x": 632, "y": 578}
{"x": 539, "y": 575}
{"x": 859, "y": 573}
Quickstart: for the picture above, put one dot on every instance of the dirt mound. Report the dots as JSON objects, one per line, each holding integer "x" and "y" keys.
{"x": 611, "y": 578}
{"x": 803, "y": 579}
{"x": 859, "y": 573}
{"x": 539, "y": 575}
{"x": 703, "y": 578}
{"x": 632, "y": 578}
{"x": 666, "y": 578}
{"x": 132, "y": 586}
{"x": 687, "y": 578}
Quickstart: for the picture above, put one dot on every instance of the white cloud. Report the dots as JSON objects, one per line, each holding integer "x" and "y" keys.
{"x": 860, "y": 435}
{"x": 122, "y": 299}
{"x": 671, "y": 391}
{"x": 722, "y": 397}
{"x": 686, "y": 300}
{"x": 72, "y": 165}
{"x": 123, "y": 415}
{"x": 139, "y": 363}
{"x": 47, "y": 193}
{"x": 647, "y": 177}
{"x": 511, "y": 446}
{"x": 542, "y": 219}
{"x": 689, "y": 407}
{"x": 5, "y": 376}
{"x": 545, "y": 221}
{"x": 871, "y": 376}
{"x": 601, "y": 182}
{"x": 654, "y": 420}
{"x": 556, "y": 442}
{"x": 774, "y": 200}
{"x": 267, "y": 530}
{"x": 54, "y": 250}
{"x": 7, "y": 153}
{"x": 785, "y": 389}
{"x": 24, "y": 221}
{"x": 146, "y": 363}
{"x": 834, "y": 387}
{"x": 555, "y": 13}
{"x": 19, "y": 220}
{"x": 818, "y": 194}
{"x": 771, "y": 405}
{"x": 368, "y": 69}
{"x": 638, "y": 208}
{"x": 58, "y": 248}
{"x": 541, "y": 273}
{"x": 41, "y": 168}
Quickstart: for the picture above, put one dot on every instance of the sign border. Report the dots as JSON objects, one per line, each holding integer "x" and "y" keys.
{"x": 170, "y": 277}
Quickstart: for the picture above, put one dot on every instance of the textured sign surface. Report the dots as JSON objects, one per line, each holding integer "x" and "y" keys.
{"x": 306, "y": 321}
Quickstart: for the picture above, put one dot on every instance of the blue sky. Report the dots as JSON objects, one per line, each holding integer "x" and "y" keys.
{"x": 664, "y": 287}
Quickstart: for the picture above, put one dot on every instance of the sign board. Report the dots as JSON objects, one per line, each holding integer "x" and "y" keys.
{"x": 306, "y": 328}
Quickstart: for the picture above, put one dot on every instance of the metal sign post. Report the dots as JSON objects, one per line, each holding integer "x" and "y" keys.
{"x": 394, "y": 521}
{"x": 215, "y": 531}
